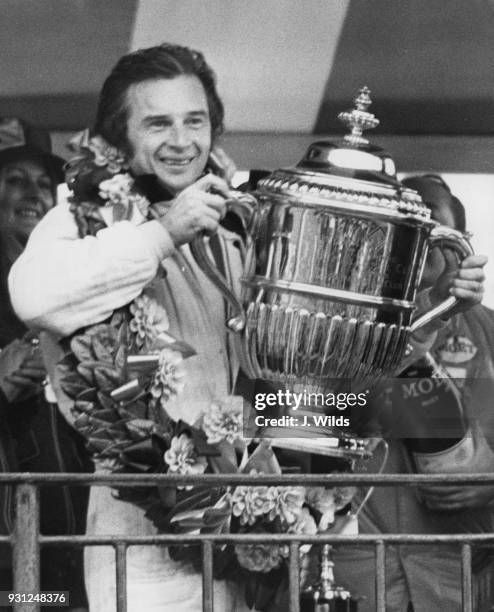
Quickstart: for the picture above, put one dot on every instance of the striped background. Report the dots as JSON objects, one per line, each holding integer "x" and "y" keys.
{"x": 285, "y": 68}
{"x": 283, "y": 65}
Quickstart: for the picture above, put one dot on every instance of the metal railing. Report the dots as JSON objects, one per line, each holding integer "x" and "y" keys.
{"x": 26, "y": 539}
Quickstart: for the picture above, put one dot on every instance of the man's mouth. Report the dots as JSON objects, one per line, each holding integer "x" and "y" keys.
{"x": 176, "y": 161}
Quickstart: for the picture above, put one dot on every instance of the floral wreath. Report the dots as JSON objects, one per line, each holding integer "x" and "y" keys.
{"x": 121, "y": 375}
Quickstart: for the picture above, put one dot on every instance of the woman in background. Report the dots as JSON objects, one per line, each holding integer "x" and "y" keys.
{"x": 33, "y": 434}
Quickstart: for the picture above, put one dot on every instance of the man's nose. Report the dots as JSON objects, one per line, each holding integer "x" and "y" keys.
{"x": 180, "y": 136}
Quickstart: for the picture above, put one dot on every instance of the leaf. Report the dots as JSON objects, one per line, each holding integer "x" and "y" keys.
{"x": 195, "y": 498}
{"x": 168, "y": 496}
{"x": 143, "y": 452}
{"x": 263, "y": 460}
{"x": 103, "y": 350}
{"x": 81, "y": 347}
{"x": 68, "y": 362}
{"x": 88, "y": 395}
{"x": 72, "y": 385}
{"x": 200, "y": 441}
{"x": 108, "y": 415}
{"x": 86, "y": 373}
{"x": 98, "y": 446}
{"x": 82, "y": 420}
{"x": 216, "y": 517}
{"x": 106, "y": 401}
{"x": 167, "y": 340}
{"x": 221, "y": 465}
{"x": 107, "y": 378}
{"x": 142, "y": 428}
{"x": 189, "y": 519}
{"x": 134, "y": 410}
{"x": 81, "y": 406}
{"x": 121, "y": 357}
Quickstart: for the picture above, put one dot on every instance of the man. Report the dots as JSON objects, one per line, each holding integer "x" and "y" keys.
{"x": 429, "y": 578}
{"x": 159, "y": 106}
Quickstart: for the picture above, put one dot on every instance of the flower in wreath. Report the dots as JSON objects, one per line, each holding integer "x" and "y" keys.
{"x": 343, "y": 496}
{"x": 260, "y": 557}
{"x": 149, "y": 319}
{"x": 182, "y": 458}
{"x": 322, "y": 499}
{"x": 251, "y": 503}
{"x": 223, "y": 420}
{"x": 289, "y": 503}
{"x": 118, "y": 191}
{"x": 167, "y": 380}
{"x": 106, "y": 155}
{"x": 304, "y": 525}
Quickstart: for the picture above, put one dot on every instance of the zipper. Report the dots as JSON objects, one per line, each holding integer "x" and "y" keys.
{"x": 58, "y": 451}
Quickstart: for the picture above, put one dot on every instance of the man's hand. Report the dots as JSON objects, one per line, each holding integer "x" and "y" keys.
{"x": 21, "y": 370}
{"x": 456, "y": 497}
{"x": 465, "y": 282}
{"x": 197, "y": 208}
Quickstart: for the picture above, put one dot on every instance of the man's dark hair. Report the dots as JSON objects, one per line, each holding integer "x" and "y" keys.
{"x": 165, "y": 61}
{"x": 435, "y": 192}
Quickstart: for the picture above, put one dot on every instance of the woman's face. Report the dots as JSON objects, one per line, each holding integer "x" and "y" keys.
{"x": 26, "y": 195}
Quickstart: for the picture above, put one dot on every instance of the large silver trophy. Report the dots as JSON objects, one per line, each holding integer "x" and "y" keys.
{"x": 335, "y": 255}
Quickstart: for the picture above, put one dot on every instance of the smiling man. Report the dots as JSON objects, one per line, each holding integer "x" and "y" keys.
{"x": 159, "y": 106}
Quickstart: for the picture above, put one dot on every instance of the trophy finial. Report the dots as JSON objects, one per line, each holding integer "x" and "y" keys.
{"x": 359, "y": 119}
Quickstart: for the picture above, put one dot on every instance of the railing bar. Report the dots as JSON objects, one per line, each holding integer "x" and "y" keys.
{"x": 380, "y": 576}
{"x": 121, "y": 577}
{"x": 385, "y": 480}
{"x": 207, "y": 577}
{"x": 26, "y": 544}
{"x": 466, "y": 577}
{"x": 294, "y": 577}
{"x": 267, "y": 538}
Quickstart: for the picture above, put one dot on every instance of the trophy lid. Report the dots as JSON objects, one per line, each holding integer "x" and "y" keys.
{"x": 352, "y": 156}
{"x": 350, "y": 170}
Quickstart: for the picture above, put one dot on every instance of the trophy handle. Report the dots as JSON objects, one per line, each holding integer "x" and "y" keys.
{"x": 444, "y": 236}
{"x": 245, "y": 206}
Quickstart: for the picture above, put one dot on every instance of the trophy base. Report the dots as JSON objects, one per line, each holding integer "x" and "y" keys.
{"x": 340, "y": 448}
{"x": 311, "y": 431}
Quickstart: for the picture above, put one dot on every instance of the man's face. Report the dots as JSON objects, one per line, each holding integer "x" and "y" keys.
{"x": 26, "y": 195}
{"x": 169, "y": 130}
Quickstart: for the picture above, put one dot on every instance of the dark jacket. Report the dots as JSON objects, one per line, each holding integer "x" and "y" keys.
{"x": 34, "y": 437}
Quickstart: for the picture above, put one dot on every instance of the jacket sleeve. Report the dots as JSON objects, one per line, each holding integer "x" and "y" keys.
{"x": 62, "y": 282}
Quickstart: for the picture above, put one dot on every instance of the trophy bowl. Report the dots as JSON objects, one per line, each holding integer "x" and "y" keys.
{"x": 336, "y": 248}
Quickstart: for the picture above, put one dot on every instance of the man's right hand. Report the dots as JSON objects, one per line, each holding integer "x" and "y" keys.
{"x": 199, "y": 207}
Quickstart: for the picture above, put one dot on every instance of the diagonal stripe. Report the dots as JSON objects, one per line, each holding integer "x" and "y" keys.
{"x": 58, "y": 47}
{"x": 271, "y": 56}
{"x": 428, "y": 64}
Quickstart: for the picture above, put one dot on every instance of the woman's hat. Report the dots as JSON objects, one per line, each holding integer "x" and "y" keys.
{"x": 21, "y": 140}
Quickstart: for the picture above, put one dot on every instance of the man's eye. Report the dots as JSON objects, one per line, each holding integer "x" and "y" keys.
{"x": 160, "y": 123}
{"x": 196, "y": 122}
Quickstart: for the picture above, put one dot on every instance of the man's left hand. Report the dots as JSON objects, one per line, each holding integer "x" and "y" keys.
{"x": 457, "y": 497}
{"x": 465, "y": 282}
